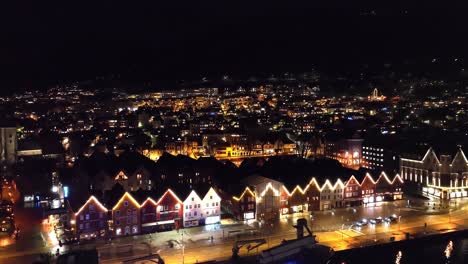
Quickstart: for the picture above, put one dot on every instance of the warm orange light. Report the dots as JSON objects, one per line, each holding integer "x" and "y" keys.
{"x": 123, "y": 198}
{"x": 149, "y": 199}
{"x": 368, "y": 177}
{"x": 172, "y": 193}
{"x": 247, "y": 190}
{"x": 92, "y": 198}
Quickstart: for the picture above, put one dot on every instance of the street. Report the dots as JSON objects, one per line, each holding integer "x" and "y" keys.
{"x": 332, "y": 228}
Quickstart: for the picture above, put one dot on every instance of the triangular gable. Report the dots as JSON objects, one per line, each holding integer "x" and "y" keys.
{"x": 313, "y": 182}
{"x": 149, "y": 200}
{"x": 352, "y": 180}
{"x": 92, "y": 199}
{"x": 430, "y": 153}
{"x": 460, "y": 156}
{"x": 247, "y": 191}
{"x": 383, "y": 178}
{"x": 120, "y": 175}
{"x": 130, "y": 197}
{"x": 297, "y": 190}
{"x": 338, "y": 183}
{"x": 194, "y": 194}
{"x": 368, "y": 178}
{"x": 213, "y": 193}
{"x": 327, "y": 183}
{"x": 269, "y": 186}
{"x": 397, "y": 179}
{"x": 169, "y": 192}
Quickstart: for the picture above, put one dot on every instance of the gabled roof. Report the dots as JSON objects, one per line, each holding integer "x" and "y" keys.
{"x": 397, "y": 178}
{"x": 368, "y": 177}
{"x": 130, "y": 197}
{"x": 168, "y": 192}
{"x": 459, "y": 155}
{"x": 149, "y": 200}
{"x": 212, "y": 190}
{"x": 194, "y": 194}
{"x": 92, "y": 199}
{"x": 351, "y": 179}
{"x": 245, "y": 192}
{"x": 383, "y": 178}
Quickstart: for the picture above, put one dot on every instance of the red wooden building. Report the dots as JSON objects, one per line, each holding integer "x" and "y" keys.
{"x": 126, "y": 217}
{"x": 368, "y": 189}
{"x": 352, "y": 192}
{"x": 169, "y": 214}
{"x": 148, "y": 215}
{"x": 91, "y": 220}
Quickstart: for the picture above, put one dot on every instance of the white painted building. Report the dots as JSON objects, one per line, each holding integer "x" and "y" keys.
{"x": 331, "y": 196}
{"x": 193, "y": 212}
{"x": 211, "y": 207}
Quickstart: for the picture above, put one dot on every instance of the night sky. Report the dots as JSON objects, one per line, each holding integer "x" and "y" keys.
{"x": 44, "y": 43}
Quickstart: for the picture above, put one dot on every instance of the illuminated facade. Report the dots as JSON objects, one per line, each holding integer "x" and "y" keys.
{"x": 148, "y": 215}
{"x": 267, "y": 193}
{"x": 331, "y": 196}
{"x": 274, "y": 197}
{"x": 211, "y": 207}
{"x": 169, "y": 211}
{"x": 375, "y": 96}
{"x": 352, "y": 192}
{"x": 388, "y": 190}
{"x": 297, "y": 201}
{"x": 192, "y": 210}
{"x": 90, "y": 221}
{"x": 444, "y": 178}
{"x": 244, "y": 206}
{"x": 126, "y": 218}
{"x": 368, "y": 189}
{"x": 347, "y": 151}
{"x": 269, "y": 199}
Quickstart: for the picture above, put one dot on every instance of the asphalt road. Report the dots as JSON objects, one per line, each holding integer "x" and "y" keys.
{"x": 331, "y": 228}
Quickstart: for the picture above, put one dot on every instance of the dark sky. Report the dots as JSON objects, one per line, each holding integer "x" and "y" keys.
{"x": 45, "y": 42}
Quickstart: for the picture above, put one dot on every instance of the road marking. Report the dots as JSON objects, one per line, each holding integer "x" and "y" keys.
{"x": 359, "y": 232}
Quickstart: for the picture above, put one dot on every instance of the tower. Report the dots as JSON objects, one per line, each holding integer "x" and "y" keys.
{"x": 8, "y": 144}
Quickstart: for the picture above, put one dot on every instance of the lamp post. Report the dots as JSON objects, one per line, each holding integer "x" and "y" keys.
{"x": 183, "y": 248}
{"x": 399, "y": 222}
{"x": 342, "y": 234}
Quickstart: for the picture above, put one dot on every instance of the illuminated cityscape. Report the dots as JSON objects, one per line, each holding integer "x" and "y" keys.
{"x": 217, "y": 140}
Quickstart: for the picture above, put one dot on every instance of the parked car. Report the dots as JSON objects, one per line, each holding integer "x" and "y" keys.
{"x": 362, "y": 222}
{"x": 377, "y": 220}
{"x": 391, "y": 219}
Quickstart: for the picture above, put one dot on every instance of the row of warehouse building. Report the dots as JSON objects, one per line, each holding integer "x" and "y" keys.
{"x": 261, "y": 198}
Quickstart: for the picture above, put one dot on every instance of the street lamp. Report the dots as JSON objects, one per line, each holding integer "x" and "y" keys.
{"x": 399, "y": 222}
{"x": 183, "y": 248}
{"x": 342, "y": 234}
